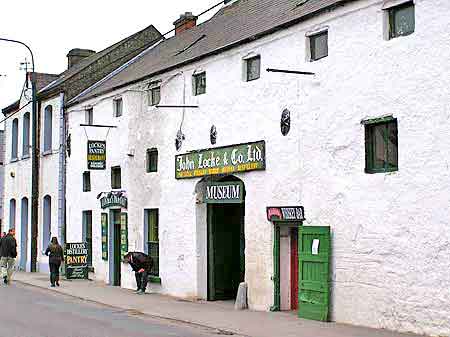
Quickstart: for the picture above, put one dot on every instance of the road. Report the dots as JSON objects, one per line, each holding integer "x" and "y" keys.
{"x": 32, "y": 312}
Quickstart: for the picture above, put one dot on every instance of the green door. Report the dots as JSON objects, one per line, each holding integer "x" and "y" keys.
{"x": 314, "y": 277}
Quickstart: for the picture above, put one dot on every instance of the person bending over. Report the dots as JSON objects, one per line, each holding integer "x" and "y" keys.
{"x": 141, "y": 264}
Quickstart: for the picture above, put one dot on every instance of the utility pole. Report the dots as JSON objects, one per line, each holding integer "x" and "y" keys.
{"x": 34, "y": 162}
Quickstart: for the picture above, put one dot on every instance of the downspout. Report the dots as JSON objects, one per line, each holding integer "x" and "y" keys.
{"x": 62, "y": 173}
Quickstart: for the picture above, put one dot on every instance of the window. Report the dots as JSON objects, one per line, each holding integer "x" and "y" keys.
{"x": 46, "y": 221}
{"x": 14, "y": 139}
{"x": 89, "y": 116}
{"x": 318, "y": 44}
{"x": 118, "y": 107}
{"x": 152, "y": 160}
{"x": 381, "y": 146}
{"x": 199, "y": 82}
{"x": 26, "y": 135}
{"x": 253, "y": 68}
{"x": 12, "y": 213}
{"x": 87, "y": 234}
{"x": 115, "y": 177}
{"x": 48, "y": 115}
{"x": 151, "y": 235}
{"x": 86, "y": 181}
{"x": 401, "y": 20}
{"x": 154, "y": 96}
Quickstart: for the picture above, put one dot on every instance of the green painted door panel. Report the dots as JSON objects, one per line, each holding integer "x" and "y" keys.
{"x": 314, "y": 272}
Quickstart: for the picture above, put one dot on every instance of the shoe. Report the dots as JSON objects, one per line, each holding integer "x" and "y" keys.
{"x": 52, "y": 285}
{"x": 140, "y": 292}
{"x": 57, "y": 283}
{"x": 5, "y": 279}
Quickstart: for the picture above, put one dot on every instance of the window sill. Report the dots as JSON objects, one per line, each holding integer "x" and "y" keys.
{"x": 375, "y": 171}
{"x": 154, "y": 279}
{"x": 46, "y": 153}
{"x": 14, "y": 160}
{"x": 25, "y": 156}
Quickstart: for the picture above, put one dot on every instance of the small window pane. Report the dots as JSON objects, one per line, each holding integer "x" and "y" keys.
{"x": 116, "y": 177}
{"x": 154, "y": 96}
{"x": 319, "y": 46}
{"x": 379, "y": 152}
{"x": 118, "y": 105}
{"x": 200, "y": 84}
{"x": 253, "y": 68}
{"x": 89, "y": 116}
{"x": 86, "y": 181}
{"x": 402, "y": 20}
{"x": 392, "y": 145}
{"x": 382, "y": 147}
{"x": 152, "y": 160}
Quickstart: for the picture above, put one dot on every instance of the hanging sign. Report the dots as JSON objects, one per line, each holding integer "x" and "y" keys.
{"x": 224, "y": 192}
{"x": 221, "y": 160}
{"x": 104, "y": 236}
{"x": 123, "y": 234}
{"x": 286, "y": 213}
{"x": 76, "y": 260}
{"x": 96, "y": 155}
{"x": 114, "y": 199}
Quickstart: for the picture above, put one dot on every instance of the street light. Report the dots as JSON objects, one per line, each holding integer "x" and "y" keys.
{"x": 34, "y": 162}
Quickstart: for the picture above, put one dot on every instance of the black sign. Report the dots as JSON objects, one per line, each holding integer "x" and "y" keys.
{"x": 76, "y": 260}
{"x": 96, "y": 155}
{"x": 114, "y": 199}
{"x": 285, "y": 213}
{"x": 224, "y": 192}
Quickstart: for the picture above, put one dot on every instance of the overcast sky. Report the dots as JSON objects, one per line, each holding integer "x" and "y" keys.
{"x": 51, "y": 28}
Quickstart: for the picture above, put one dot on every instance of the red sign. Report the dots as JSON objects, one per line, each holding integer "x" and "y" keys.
{"x": 285, "y": 213}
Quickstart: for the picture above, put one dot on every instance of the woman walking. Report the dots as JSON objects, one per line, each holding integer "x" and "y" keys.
{"x": 55, "y": 256}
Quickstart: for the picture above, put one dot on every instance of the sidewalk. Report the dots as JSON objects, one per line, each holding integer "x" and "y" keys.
{"x": 217, "y": 315}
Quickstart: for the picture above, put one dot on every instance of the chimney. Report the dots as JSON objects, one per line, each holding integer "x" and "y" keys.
{"x": 76, "y": 55}
{"x": 185, "y": 22}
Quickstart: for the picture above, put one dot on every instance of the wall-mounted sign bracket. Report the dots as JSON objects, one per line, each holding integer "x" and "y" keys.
{"x": 271, "y": 70}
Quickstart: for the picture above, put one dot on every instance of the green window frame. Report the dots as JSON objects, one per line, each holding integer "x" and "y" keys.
{"x": 151, "y": 244}
{"x": 116, "y": 179}
{"x": 199, "y": 84}
{"x": 152, "y": 160}
{"x": 401, "y": 20}
{"x": 381, "y": 142}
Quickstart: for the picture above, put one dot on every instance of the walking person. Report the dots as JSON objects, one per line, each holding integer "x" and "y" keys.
{"x": 55, "y": 256}
{"x": 141, "y": 264}
{"x": 8, "y": 254}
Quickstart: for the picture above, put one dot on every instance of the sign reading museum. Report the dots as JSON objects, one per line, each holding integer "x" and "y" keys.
{"x": 96, "y": 155}
{"x": 221, "y": 160}
{"x": 224, "y": 192}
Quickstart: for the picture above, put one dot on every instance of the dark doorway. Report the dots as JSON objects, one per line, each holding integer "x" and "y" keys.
{"x": 226, "y": 249}
{"x": 117, "y": 259}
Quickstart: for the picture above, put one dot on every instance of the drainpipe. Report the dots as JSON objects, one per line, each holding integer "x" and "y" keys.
{"x": 62, "y": 173}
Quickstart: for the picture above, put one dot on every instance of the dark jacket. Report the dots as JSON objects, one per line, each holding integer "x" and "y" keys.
{"x": 141, "y": 261}
{"x": 55, "y": 254}
{"x": 8, "y": 246}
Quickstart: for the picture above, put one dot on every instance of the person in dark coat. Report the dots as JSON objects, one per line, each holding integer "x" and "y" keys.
{"x": 55, "y": 257}
{"x": 8, "y": 254}
{"x": 141, "y": 264}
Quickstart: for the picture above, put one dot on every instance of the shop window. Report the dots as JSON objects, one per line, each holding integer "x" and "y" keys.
{"x": 118, "y": 107}
{"x": 14, "y": 139}
{"x": 151, "y": 244}
{"x": 46, "y": 221}
{"x": 48, "y": 132}
{"x": 318, "y": 44}
{"x": 12, "y": 213}
{"x": 154, "y": 95}
{"x": 86, "y": 181}
{"x": 87, "y": 233}
{"x": 253, "y": 68}
{"x": 152, "y": 160}
{"x": 401, "y": 20}
{"x": 116, "y": 182}
{"x": 381, "y": 146}
{"x": 89, "y": 116}
{"x": 199, "y": 83}
{"x": 26, "y": 135}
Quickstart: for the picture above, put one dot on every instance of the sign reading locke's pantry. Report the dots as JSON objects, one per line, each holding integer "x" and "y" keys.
{"x": 221, "y": 160}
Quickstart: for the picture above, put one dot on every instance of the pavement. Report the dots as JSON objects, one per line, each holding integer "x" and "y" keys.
{"x": 220, "y": 316}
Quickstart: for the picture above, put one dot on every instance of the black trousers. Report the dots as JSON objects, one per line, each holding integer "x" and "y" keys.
{"x": 141, "y": 280}
{"x": 54, "y": 272}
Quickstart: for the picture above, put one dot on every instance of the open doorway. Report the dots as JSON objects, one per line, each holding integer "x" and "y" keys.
{"x": 226, "y": 248}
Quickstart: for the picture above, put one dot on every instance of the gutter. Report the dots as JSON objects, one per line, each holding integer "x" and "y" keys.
{"x": 62, "y": 173}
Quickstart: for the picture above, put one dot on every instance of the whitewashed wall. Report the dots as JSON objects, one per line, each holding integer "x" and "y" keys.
{"x": 390, "y": 237}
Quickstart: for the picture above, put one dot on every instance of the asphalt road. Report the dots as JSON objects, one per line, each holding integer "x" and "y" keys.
{"x": 32, "y": 312}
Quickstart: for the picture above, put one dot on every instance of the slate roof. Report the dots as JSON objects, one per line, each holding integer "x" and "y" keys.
{"x": 240, "y": 22}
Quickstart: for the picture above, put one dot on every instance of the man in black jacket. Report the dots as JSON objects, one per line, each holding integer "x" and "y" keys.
{"x": 141, "y": 264}
{"x": 8, "y": 254}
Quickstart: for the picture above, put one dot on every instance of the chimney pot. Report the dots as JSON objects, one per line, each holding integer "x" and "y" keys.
{"x": 185, "y": 22}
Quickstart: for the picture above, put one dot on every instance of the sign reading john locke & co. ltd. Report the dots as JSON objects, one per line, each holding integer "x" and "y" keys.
{"x": 221, "y": 160}
{"x": 76, "y": 260}
{"x": 96, "y": 155}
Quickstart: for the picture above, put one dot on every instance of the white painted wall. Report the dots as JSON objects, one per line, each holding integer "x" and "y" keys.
{"x": 390, "y": 243}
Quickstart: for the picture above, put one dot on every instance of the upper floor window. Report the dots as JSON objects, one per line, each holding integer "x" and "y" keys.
{"x": 152, "y": 160}
{"x": 199, "y": 83}
{"x": 118, "y": 107}
{"x": 86, "y": 181}
{"x": 26, "y": 135}
{"x": 401, "y": 20}
{"x": 89, "y": 116}
{"x": 318, "y": 45}
{"x": 253, "y": 68}
{"x": 48, "y": 117}
{"x": 381, "y": 146}
{"x": 154, "y": 95}
{"x": 14, "y": 138}
{"x": 116, "y": 181}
